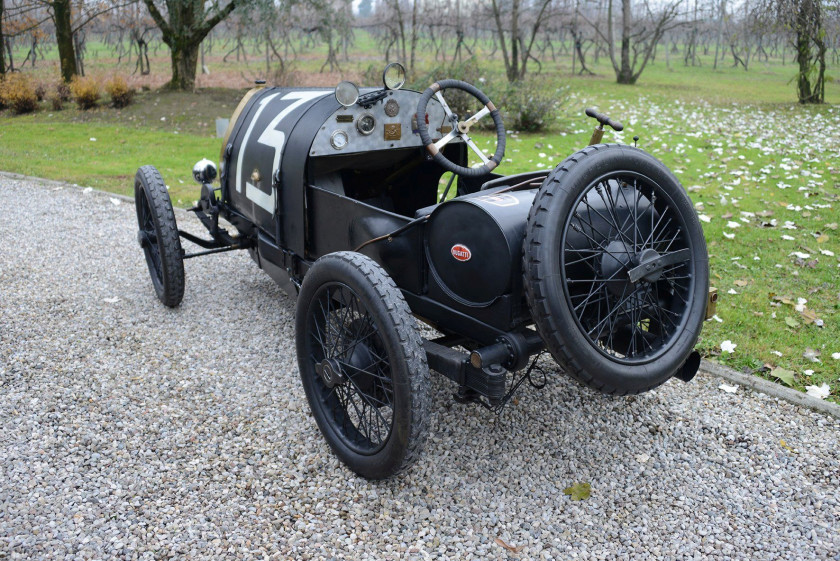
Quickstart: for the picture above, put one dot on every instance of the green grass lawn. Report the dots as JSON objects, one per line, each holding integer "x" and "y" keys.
{"x": 103, "y": 147}
{"x": 763, "y": 172}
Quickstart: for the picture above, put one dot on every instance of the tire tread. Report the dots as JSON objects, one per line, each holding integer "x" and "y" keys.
{"x": 149, "y": 179}
{"x": 400, "y": 318}
{"x": 536, "y": 273}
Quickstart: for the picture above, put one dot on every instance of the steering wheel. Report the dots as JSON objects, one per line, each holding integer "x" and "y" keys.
{"x": 460, "y": 129}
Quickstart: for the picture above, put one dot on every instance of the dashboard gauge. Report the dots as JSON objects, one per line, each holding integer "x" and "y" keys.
{"x": 392, "y": 108}
{"x": 365, "y": 124}
{"x": 339, "y": 139}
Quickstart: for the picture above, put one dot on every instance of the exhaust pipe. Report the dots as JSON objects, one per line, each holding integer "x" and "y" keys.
{"x": 511, "y": 351}
{"x": 689, "y": 368}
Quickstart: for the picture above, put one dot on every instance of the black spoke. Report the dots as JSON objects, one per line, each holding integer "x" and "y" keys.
{"x": 343, "y": 333}
{"x": 618, "y": 224}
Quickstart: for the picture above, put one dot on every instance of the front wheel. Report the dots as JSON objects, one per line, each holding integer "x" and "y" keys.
{"x": 158, "y": 235}
{"x": 362, "y": 364}
{"x": 616, "y": 269}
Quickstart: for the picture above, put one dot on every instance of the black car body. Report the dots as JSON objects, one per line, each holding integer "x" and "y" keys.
{"x": 600, "y": 261}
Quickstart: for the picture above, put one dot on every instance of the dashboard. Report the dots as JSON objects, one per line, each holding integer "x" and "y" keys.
{"x": 388, "y": 123}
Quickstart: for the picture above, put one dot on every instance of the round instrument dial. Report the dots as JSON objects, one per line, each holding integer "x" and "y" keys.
{"x": 366, "y": 124}
{"x": 339, "y": 139}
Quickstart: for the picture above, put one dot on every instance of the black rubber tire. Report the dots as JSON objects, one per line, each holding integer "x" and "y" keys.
{"x": 401, "y": 371}
{"x": 545, "y": 276}
{"x": 158, "y": 235}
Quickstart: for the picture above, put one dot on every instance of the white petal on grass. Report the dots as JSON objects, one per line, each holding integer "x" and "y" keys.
{"x": 777, "y": 353}
{"x": 799, "y": 254}
{"x": 835, "y": 356}
{"x": 704, "y": 218}
{"x": 731, "y": 291}
{"x": 820, "y": 392}
{"x": 788, "y": 238}
{"x": 811, "y": 354}
{"x": 92, "y": 139}
{"x": 827, "y": 252}
{"x": 808, "y": 372}
{"x": 729, "y": 236}
{"x": 727, "y": 388}
{"x": 732, "y": 224}
{"x": 728, "y": 346}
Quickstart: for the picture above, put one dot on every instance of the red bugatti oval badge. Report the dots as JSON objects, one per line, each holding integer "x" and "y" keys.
{"x": 461, "y": 252}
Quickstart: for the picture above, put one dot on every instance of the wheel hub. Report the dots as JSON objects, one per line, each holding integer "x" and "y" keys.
{"x": 361, "y": 365}
{"x": 330, "y": 372}
{"x": 649, "y": 257}
{"x": 617, "y": 258}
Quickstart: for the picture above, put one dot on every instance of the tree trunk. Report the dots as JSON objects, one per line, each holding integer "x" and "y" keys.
{"x": 401, "y": 29}
{"x": 625, "y": 72}
{"x": 809, "y": 30}
{"x": 513, "y": 74}
{"x": 184, "y": 62}
{"x": 2, "y": 43}
{"x": 413, "y": 35}
{"x": 803, "y": 57}
{"x": 721, "y": 17}
{"x": 64, "y": 38}
{"x": 819, "y": 87}
{"x": 79, "y": 48}
{"x": 183, "y": 34}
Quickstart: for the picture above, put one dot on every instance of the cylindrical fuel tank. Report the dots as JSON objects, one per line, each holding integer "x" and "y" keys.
{"x": 474, "y": 245}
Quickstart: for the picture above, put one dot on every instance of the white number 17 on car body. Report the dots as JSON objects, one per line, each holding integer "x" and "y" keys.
{"x": 273, "y": 138}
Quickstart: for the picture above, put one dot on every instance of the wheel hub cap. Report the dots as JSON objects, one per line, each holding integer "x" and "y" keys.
{"x": 330, "y": 371}
{"x": 649, "y": 257}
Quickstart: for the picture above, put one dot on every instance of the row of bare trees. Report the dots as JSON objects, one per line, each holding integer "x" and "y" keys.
{"x": 521, "y": 35}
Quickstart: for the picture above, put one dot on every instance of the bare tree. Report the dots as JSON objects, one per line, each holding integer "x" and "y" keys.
{"x": 639, "y": 36}
{"x": 2, "y": 42}
{"x": 69, "y": 18}
{"x": 803, "y": 21}
{"x": 721, "y": 22}
{"x": 186, "y": 24}
{"x": 521, "y": 25}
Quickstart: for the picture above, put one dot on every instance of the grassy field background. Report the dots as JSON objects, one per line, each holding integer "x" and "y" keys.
{"x": 762, "y": 170}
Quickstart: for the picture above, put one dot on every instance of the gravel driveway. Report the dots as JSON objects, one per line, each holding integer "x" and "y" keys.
{"x": 128, "y": 430}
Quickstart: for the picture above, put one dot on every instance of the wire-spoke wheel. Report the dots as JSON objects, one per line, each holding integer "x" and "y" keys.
{"x": 616, "y": 269}
{"x": 362, "y": 365}
{"x": 158, "y": 235}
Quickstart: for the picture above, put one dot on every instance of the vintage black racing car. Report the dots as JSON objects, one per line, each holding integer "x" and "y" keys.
{"x": 334, "y": 193}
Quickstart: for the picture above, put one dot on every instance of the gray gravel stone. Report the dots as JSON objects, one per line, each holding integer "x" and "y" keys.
{"x": 131, "y": 431}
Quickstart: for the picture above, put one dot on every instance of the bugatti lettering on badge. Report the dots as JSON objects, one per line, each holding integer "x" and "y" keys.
{"x": 461, "y": 252}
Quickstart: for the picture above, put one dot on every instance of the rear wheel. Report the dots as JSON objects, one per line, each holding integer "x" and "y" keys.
{"x": 158, "y": 235}
{"x": 362, "y": 365}
{"x": 616, "y": 270}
